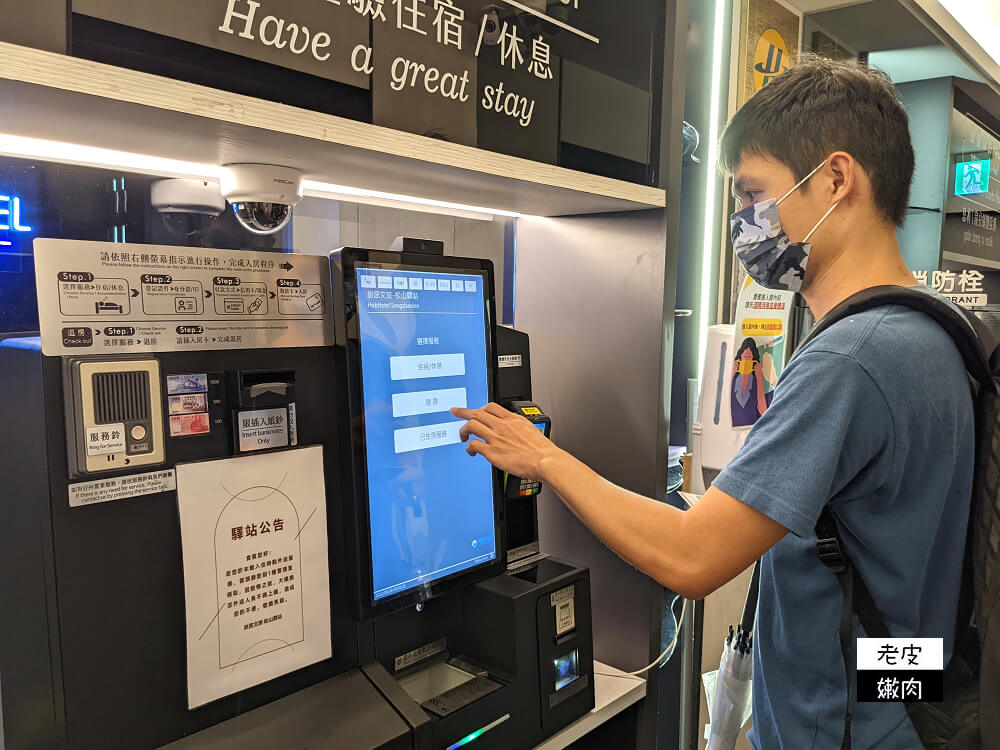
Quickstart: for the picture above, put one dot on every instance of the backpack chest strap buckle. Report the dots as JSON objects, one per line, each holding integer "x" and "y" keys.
{"x": 831, "y": 554}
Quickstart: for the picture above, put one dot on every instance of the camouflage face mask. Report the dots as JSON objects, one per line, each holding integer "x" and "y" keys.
{"x": 763, "y": 248}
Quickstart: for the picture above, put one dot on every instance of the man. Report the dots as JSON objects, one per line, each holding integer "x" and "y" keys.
{"x": 873, "y": 417}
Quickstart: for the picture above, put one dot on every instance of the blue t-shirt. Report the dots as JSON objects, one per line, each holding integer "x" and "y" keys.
{"x": 874, "y": 416}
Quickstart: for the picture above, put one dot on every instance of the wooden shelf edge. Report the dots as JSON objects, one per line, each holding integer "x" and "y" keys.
{"x": 77, "y": 75}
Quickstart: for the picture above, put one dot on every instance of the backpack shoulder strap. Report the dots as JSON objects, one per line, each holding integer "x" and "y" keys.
{"x": 969, "y": 333}
{"x": 973, "y": 341}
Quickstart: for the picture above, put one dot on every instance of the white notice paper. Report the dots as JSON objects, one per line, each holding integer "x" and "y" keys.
{"x": 256, "y": 571}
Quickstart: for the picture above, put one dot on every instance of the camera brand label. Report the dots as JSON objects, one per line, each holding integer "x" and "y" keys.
{"x": 114, "y": 298}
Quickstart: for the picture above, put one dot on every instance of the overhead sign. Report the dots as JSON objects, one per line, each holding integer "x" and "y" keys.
{"x": 311, "y": 36}
{"x": 461, "y": 71}
{"x": 112, "y": 298}
{"x": 468, "y": 74}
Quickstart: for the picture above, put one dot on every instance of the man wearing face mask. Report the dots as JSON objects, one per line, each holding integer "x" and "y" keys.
{"x": 822, "y": 162}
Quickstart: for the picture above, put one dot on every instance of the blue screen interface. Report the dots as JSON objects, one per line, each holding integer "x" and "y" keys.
{"x": 423, "y": 351}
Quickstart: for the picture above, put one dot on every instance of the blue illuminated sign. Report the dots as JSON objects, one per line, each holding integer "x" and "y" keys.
{"x": 972, "y": 177}
{"x": 11, "y": 216}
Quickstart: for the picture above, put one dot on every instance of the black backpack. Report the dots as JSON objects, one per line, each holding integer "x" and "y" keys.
{"x": 972, "y": 678}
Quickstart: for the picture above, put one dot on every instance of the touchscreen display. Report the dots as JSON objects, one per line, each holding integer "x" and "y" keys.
{"x": 423, "y": 351}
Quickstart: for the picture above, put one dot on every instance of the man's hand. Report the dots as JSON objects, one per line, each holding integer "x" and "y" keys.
{"x": 507, "y": 440}
{"x": 692, "y": 553}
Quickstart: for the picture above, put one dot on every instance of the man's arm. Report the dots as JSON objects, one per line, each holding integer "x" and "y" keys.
{"x": 692, "y": 552}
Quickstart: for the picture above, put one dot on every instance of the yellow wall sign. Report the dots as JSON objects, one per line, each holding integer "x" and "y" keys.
{"x": 770, "y": 58}
{"x": 761, "y": 327}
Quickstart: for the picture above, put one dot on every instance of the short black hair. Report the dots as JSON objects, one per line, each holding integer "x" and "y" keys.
{"x": 820, "y": 106}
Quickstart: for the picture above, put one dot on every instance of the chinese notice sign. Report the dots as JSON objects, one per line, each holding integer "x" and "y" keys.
{"x": 963, "y": 286}
{"x": 900, "y": 669}
{"x": 119, "y": 488}
{"x": 481, "y": 74}
{"x": 260, "y": 429}
{"x": 760, "y": 350}
{"x": 256, "y": 570}
{"x": 111, "y": 298}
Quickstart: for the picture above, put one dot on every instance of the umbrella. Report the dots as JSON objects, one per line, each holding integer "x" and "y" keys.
{"x": 729, "y": 707}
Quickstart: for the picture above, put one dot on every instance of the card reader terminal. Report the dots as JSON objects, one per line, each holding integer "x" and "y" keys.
{"x": 517, "y": 487}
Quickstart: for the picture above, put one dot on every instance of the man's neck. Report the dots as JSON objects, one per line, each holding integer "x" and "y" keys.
{"x": 861, "y": 263}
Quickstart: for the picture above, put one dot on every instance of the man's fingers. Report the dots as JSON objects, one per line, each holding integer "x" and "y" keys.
{"x": 481, "y": 414}
{"x": 497, "y": 411}
{"x": 487, "y": 415}
{"x": 478, "y": 447}
{"x": 474, "y": 427}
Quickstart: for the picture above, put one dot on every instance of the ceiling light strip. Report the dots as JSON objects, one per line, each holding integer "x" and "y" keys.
{"x": 345, "y": 191}
{"x": 92, "y": 156}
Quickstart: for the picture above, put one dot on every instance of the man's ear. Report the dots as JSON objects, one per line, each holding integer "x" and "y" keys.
{"x": 842, "y": 168}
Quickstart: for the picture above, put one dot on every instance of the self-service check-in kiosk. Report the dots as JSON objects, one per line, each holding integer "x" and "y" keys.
{"x": 507, "y": 660}
{"x": 241, "y": 513}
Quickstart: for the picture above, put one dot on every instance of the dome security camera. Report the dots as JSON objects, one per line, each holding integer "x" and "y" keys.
{"x": 186, "y": 197}
{"x": 492, "y": 29}
{"x": 262, "y": 195}
{"x": 187, "y": 207}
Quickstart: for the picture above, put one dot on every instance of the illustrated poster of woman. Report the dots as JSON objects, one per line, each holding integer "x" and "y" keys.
{"x": 749, "y": 401}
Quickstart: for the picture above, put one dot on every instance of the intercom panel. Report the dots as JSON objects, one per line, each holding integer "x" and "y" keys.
{"x": 115, "y": 414}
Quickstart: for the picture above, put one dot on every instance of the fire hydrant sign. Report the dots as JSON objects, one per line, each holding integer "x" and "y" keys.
{"x": 256, "y": 570}
{"x": 113, "y": 298}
